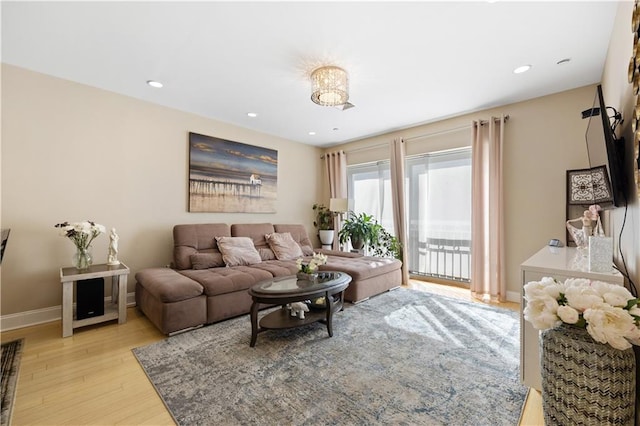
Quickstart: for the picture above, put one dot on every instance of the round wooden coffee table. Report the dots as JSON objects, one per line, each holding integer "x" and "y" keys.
{"x": 282, "y": 290}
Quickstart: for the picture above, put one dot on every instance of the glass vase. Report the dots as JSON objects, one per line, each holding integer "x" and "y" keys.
{"x": 82, "y": 259}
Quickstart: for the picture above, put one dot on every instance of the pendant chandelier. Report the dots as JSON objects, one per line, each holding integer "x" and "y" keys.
{"x": 329, "y": 86}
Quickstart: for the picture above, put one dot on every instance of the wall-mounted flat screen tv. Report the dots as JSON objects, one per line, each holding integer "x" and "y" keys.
{"x": 604, "y": 148}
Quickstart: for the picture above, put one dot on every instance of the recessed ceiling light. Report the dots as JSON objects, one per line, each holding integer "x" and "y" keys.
{"x": 155, "y": 84}
{"x": 312, "y": 133}
{"x": 521, "y": 69}
{"x": 252, "y": 114}
{"x": 563, "y": 61}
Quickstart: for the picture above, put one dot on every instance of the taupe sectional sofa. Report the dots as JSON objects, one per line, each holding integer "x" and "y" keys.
{"x": 201, "y": 288}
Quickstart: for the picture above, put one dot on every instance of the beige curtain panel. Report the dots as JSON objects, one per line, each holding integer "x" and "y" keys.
{"x": 336, "y": 167}
{"x": 397, "y": 156}
{"x": 487, "y": 222}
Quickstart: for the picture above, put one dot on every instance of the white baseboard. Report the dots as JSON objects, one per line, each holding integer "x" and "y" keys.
{"x": 41, "y": 316}
{"x": 513, "y": 296}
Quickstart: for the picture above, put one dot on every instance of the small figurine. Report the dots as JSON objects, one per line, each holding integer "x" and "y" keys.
{"x": 581, "y": 235}
{"x": 298, "y": 309}
{"x": 113, "y": 248}
{"x": 595, "y": 215}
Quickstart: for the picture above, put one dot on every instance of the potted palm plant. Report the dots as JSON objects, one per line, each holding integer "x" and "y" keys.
{"x": 361, "y": 229}
{"x": 324, "y": 223}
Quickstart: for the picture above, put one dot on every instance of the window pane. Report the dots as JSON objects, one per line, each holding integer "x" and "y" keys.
{"x": 369, "y": 186}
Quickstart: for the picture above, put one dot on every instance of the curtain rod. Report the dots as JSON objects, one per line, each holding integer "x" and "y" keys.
{"x": 455, "y": 129}
{"x": 441, "y": 132}
{"x": 426, "y": 135}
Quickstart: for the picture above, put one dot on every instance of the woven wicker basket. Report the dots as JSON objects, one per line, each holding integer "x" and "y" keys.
{"x": 585, "y": 382}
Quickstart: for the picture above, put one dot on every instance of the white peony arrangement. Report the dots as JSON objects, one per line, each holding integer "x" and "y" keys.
{"x": 609, "y": 312}
{"x": 310, "y": 268}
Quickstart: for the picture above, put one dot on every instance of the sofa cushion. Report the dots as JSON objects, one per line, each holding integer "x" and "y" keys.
{"x": 206, "y": 260}
{"x": 255, "y": 231}
{"x": 190, "y": 239}
{"x": 168, "y": 285}
{"x": 238, "y": 251}
{"x": 361, "y": 268}
{"x": 339, "y": 253}
{"x": 266, "y": 254}
{"x": 283, "y": 246}
{"x": 227, "y": 280}
{"x": 278, "y": 268}
{"x": 307, "y": 250}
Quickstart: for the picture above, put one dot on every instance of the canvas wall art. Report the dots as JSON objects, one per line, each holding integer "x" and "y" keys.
{"x": 231, "y": 177}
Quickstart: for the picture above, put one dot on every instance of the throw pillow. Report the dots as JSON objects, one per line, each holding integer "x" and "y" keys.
{"x": 238, "y": 251}
{"x": 307, "y": 250}
{"x": 266, "y": 253}
{"x": 206, "y": 260}
{"x": 283, "y": 245}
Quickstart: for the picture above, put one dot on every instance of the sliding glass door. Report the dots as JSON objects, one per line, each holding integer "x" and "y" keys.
{"x": 439, "y": 208}
{"x": 438, "y": 188}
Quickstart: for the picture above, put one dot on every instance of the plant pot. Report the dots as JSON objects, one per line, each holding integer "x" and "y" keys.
{"x": 356, "y": 242}
{"x": 326, "y": 236}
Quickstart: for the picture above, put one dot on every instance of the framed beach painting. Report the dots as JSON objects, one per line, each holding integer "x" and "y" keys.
{"x": 231, "y": 177}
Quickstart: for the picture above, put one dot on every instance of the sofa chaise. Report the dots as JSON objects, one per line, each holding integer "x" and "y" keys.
{"x": 214, "y": 265}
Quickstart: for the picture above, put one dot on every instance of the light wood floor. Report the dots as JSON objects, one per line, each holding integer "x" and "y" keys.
{"x": 93, "y": 378}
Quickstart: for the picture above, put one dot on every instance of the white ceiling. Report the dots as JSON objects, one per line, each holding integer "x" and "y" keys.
{"x": 409, "y": 62}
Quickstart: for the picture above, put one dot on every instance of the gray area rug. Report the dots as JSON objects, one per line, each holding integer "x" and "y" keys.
{"x": 11, "y": 353}
{"x": 403, "y": 357}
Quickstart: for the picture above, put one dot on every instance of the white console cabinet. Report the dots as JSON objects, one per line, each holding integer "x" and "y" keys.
{"x": 559, "y": 263}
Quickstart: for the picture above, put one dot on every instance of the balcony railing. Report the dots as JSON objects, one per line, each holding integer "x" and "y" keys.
{"x": 442, "y": 258}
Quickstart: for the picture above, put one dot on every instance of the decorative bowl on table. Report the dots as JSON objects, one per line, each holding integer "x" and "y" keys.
{"x": 309, "y": 277}
{"x": 319, "y": 304}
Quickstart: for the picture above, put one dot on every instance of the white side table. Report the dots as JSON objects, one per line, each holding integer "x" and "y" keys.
{"x": 114, "y": 309}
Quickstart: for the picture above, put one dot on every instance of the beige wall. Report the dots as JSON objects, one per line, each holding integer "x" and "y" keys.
{"x": 73, "y": 152}
{"x": 618, "y": 93}
{"x": 544, "y": 138}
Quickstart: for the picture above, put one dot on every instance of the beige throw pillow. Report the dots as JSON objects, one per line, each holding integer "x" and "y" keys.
{"x": 283, "y": 245}
{"x": 238, "y": 251}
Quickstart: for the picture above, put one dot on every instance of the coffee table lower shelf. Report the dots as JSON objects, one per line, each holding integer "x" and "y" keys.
{"x": 282, "y": 319}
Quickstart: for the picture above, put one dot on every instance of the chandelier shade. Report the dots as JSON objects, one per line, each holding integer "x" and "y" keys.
{"x": 329, "y": 86}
